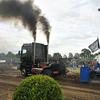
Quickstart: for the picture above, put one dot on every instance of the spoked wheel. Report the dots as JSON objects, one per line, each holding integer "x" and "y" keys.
{"x": 48, "y": 73}
{"x": 24, "y": 72}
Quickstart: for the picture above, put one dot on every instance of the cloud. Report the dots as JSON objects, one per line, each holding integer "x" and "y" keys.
{"x": 75, "y": 25}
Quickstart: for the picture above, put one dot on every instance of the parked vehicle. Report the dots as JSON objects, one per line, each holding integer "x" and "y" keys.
{"x": 97, "y": 59}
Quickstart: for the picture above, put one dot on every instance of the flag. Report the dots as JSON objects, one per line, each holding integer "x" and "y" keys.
{"x": 94, "y": 46}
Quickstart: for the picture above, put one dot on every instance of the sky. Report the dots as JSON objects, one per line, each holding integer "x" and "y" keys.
{"x": 75, "y": 24}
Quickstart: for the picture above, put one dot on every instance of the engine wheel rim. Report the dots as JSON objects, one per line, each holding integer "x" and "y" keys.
{"x": 46, "y": 73}
{"x": 23, "y": 71}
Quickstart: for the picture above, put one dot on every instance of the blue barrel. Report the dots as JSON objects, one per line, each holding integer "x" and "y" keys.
{"x": 84, "y": 74}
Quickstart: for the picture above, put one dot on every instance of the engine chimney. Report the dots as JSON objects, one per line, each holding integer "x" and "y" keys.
{"x": 34, "y": 35}
{"x": 34, "y": 54}
{"x": 47, "y": 51}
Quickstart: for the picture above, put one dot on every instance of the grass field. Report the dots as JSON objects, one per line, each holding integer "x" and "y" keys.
{"x": 14, "y": 68}
{"x": 71, "y": 70}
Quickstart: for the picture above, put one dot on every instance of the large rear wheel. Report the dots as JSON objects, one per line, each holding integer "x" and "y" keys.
{"x": 24, "y": 72}
{"x": 48, "y": 73}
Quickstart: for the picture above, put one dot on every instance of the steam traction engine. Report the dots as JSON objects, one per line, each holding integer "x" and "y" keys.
{"x": 34, "y": 61}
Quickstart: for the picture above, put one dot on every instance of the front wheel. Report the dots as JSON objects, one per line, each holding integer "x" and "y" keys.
{"x": 48, "y": 73}
{"x": 24, "y": 72}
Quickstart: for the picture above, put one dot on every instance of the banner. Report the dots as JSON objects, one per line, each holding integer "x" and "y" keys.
{"x": 94, "y": 46}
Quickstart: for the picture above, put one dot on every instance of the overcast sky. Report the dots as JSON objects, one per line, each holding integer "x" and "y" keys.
{"x": 75, "y": 24}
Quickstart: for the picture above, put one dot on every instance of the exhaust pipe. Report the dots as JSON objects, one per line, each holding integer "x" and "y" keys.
{"x": 34, "y": 35}
{"x": 47, "y": 51}
{"x": 34, "y": 54}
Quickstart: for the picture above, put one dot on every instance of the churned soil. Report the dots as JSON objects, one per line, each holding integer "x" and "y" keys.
{"x": 6, "y": 67}
{"x": 71, "y": 86}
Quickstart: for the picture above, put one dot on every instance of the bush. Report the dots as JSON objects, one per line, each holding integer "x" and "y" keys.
{"x": 38, "y": 87}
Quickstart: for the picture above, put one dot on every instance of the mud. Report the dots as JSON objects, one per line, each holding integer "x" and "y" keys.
{"x": 71, "y": 86}
{"x": 6, "y": 67}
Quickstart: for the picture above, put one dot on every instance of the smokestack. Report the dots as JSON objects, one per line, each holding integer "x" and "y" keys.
{"x": 34, "y": 35}
{"x": 47, "y": 51}
{"x": 47, "y": 44}
{"x": 34, "y": 54}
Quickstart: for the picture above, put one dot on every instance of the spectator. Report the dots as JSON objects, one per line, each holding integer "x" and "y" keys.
{"x": 92, "y": 63}
{"x": 89, "y": 63}
{"x": 10, "y": 64}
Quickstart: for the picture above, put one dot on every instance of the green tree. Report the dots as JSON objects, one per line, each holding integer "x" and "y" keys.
{"x": 17, "y": 55}
{"x": 70, "y": 55}
{"x": 10, "y": 54}
{"x": 98, "y": 53}
{"x": 92, "y": 55}
{"x": 95, "y": 54}
{"x": 49, "y": 56}
{"x": 77, "y": 55}
{"x": 86, "y": 53}
{"x": 64, "y": 56}
{"x": 57, "y": 55}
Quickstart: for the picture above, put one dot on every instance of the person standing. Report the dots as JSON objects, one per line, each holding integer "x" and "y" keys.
{"x": 88, "y": 63}
{"x": 10, "y": 64}
{"x": 92, "y": 63}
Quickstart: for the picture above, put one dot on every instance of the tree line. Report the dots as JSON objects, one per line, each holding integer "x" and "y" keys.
{"x": 8, "y": 55}
{"x": 85, "y": 54}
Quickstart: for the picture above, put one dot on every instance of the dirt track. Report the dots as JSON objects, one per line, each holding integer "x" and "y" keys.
{"x": 71, "y": 86}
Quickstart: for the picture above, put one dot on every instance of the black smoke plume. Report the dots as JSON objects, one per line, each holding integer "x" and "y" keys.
{"x": 26, "y": 12}
{"x": 45, "y": 27}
